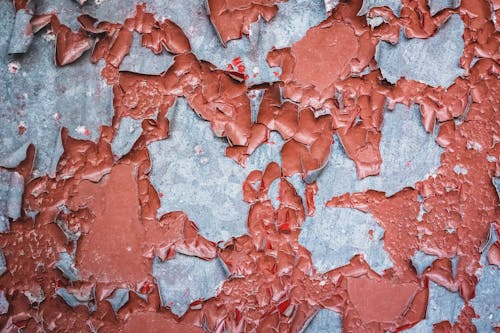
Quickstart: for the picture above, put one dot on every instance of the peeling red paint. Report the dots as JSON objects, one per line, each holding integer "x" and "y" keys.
{"x": 113, "y": 203}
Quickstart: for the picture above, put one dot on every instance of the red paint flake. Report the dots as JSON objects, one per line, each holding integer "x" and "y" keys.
{"x": 86, "y": 132}
{"x": 13, "y": 67}
{"x": 408, "y": 163}
{"x": 237, "y": 61}
{"x": 196, "y": 305}
{"x": 59, "y": 284}
{"x": 171, "y": 253}
{"x": 146, "y": 288}
{"x": 277, "y": 74}
{"x": 160, "y": 195}
{"x": 370, "y": 234}
{"x": 21, "y": 129}
{"x": 284, "y": 228}
{"x": 230, "y": 67}
{"x": 247, "y": 77}
{"x": 283, "y": 306}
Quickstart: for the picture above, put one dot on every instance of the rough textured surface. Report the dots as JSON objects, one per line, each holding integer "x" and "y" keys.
{"x": 434, "y": 61}
{"x": 335, "y": 235}
{"x": 179, "y": 285}
{"x": 325, "y": 321}
{"x": 249, "y": 166}
{"x": 443, "y": 305}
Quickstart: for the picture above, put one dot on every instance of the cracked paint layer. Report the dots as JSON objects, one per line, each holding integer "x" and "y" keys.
{"x": 175, "y": 175}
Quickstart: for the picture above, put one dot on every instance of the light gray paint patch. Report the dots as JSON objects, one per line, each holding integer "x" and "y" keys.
{"x": 192, "y": 173}
{"x": 66, "y": 264}
{"x": 487, "y": 299}
{"x": 119, "y": 299}
{"x": 437, "y": 5}
{"x": 443, "y": 305}
{"x": 20, "y": 40}
{"x": 185, "y": 279}
{"x": 4, "y": 304}
{"x": 421, "y": 261}
{"x": 496, "y": 183}
{"x": 434, "y": 61}
{"x": 409, "y": 154}
{"x": 87, "y": 298}
{"x": 143, "y": 60}
{"x": 3, "y": 263}
{"x": 128, "y": 132}
{"x": 335, "y": 235}
{"x": 325, "y": 321}
{"x": 11, "y": 195}
{"x": 395, "y": 5}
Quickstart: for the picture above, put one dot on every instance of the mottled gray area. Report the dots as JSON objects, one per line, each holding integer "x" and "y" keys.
{"x": 330, "y": 4}
{"x": 143, "y": 60}
{"x": 128, "y": 132}
{"x": 4, "y": 304}
{"x": 496, "y": 183}
{"x": 395, "y": 5}
{"x": 40, "y": 93}
{"x": 437, "y": 5}
{"x": 3, "y": 263}
{"x": 85, "y": 298}
{"x": 119, "y": 299}
{"x": 443, "y": 305}
{"x": 408, "y": 153}
{"x": 11, "y": 195}
{"x": 487, "y": 297}
{"x": 335, "y": 235}
{"x": 434, "y": 61}
{"x": 185, "y": 279}
{"x": 191, "y": 171}
{"x": 325, "y": 321}
{"x": 66, "y": 264}
{"x": 20, "y": 40}
{"x": 421, "y": 261}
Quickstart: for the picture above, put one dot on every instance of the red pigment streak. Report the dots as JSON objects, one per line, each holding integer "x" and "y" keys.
{"x": 21, "y": 129}
{"x": 113, "y": 203}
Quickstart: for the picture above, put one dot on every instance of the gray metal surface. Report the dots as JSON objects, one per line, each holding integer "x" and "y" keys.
{"x": 11, "y": 195}
{"x": 185, "y": 279}
{"x": 193, "y": 175}
{"x": 128, "y": 132}
{"x": 434, "y": 61}
{"x": 443, "y": 305}
{"x": 408, "y": 153}
{"x": 437, "y": 5}
{"x": 119, "y": 298}
{"x": 325, "y": 321}
{"x": 335, "y": 235}
{"x": 395, "y": 5}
